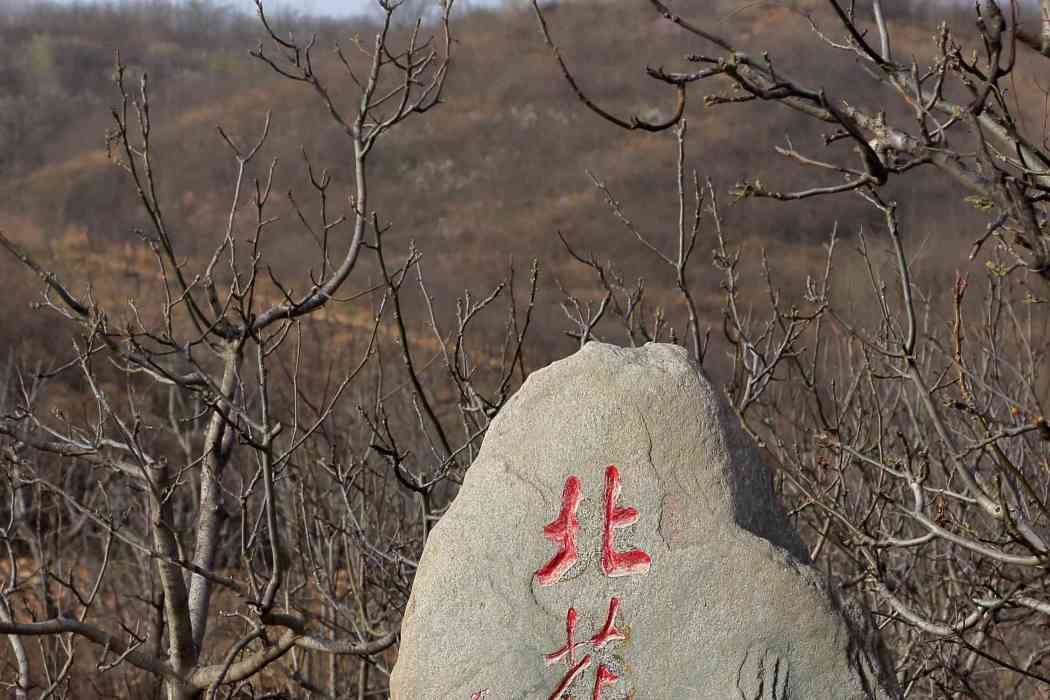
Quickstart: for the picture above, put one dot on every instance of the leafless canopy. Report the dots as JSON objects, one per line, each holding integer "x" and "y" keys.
{"x": 240, "y": 506}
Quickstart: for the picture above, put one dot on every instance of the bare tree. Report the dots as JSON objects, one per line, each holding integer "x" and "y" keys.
{"x": 241, "y": 503}
{"x": 908, "y": 427}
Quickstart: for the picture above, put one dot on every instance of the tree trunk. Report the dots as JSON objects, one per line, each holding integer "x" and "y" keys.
{"x": 173, "y": 690}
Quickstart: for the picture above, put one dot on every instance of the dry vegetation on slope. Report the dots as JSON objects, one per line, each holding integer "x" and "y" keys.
{"x": 494, "y": 174}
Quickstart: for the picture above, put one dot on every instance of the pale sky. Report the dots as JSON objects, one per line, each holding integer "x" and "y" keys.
{"x": 334, "y": 8}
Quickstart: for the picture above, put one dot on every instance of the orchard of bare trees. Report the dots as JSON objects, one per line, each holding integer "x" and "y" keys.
{"x": 236, "y": 409}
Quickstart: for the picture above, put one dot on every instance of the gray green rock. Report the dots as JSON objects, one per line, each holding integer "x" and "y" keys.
{"x": 712, "y": 591}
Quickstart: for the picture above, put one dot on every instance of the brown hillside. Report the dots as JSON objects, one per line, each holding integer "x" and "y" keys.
{"x": 492, "y": 174}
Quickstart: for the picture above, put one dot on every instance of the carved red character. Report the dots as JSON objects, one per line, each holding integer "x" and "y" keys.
{"x": 603, "y": 677}
{"x": 616, "y": 563}
{"x": 562, "y": 532}
{"x": 609, "y": 633}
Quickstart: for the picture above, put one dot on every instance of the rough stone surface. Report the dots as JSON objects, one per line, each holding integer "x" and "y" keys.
{"x": 726, "y": 607}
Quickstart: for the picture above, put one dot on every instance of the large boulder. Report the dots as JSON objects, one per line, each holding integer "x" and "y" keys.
{"x": 617, "y": 537}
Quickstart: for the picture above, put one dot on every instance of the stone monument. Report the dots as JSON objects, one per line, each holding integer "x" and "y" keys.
{"x": 617, "y": 538}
